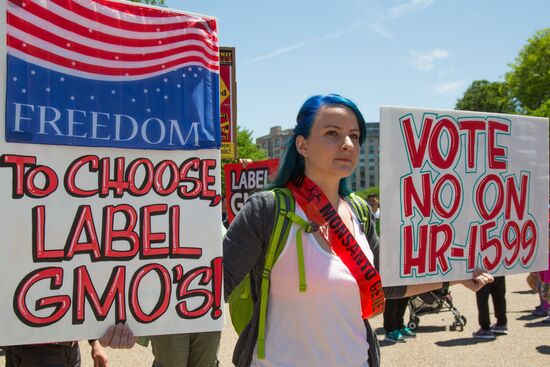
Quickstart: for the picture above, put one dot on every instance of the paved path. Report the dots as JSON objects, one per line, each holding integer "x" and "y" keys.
{"x": 528, "y": 343}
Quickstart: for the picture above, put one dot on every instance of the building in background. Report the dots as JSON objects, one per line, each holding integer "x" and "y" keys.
{"x": 367, "y": 173}
{"x": 274, "y": 143}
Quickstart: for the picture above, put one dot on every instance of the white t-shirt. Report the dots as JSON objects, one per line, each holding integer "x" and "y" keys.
{"x": 321, "y": 326}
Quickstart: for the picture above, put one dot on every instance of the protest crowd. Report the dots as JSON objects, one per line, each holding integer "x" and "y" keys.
{"x": 121, "y": 209}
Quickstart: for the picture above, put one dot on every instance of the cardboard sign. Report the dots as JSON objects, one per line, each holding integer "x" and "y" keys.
{"x": 242, "y": 181}
{"x": 459, "y": 191}
{"x": 93, "y": 234}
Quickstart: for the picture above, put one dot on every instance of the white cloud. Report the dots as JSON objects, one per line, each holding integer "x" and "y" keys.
{"x": 426, "y": 61}
{"x": 296, "y": 46}
{"x": 398, "y": 11}
{"x": 378, "y": 27}
{"x": 408, "y": 8}
{"x": 450, "y": 87}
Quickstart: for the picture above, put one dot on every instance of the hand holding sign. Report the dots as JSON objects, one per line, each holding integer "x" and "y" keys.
{"x": 119, "y": 336}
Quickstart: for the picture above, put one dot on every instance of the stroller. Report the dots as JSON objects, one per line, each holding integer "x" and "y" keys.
{"x": 434, "y": 302}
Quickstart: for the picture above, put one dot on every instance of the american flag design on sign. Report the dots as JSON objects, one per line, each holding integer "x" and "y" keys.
{"x": 110, "y": 73}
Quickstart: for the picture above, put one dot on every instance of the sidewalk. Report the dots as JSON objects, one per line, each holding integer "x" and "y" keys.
{"x": 528, "y": 343}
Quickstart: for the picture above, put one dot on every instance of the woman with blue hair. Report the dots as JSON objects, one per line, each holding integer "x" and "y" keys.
{"x": 325, "y": 323}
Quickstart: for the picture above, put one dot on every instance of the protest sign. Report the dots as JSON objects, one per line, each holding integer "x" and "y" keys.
{"x": 109, "y": 171}
{"x": 242, "y": 180}
{"x": 459, "y": 191}
{"x": 228, "y": 103}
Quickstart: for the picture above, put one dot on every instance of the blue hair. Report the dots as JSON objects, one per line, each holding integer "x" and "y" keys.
{"x": 292, "y": 163}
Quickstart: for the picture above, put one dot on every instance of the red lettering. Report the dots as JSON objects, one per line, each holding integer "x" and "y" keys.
{"x": 164, "y": 297}
{"x": 481, "y": 193}
{"x": 127, "y": 233}
{"x": 471, "y": 127}
{"x": 437, "y": 255}
{"x": 435, "y": 148}
{"x": 418, "y": 261}
{"x": 512, "y": 196}
{"x": 84, "y": 289}
{"x": 416, "y": 153}
{"x": 422, "y": 202}
{"x": 60, "y": 304}
{"x": 493, "y": 151}
{"x": 83, "y": 222}
{"x": 18, "y": 163}
{"x": 70, "y": 176}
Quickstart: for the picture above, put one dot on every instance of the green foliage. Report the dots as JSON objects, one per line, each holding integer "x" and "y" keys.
{"x": 486, "y": 96}
{"x": 246, "y": 149}
{"x": 529, "y": 79}
{"x": 368, "y": 191}
{"x": 150, "y": 2}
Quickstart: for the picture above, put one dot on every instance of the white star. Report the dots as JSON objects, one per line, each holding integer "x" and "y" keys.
{"x": 24, "y": 90}
{"x": 200, "y": 69}
{"x": 165, "y": 80}
{"x": 113, "y": 91}
{"x": 183, "y": 75}
{"x": 165, "y": 97}
{"x": 189, "y": 69}
{"x": 179, "y": 85}
{"x": 158, "y": 90}
{"x": 72, "y": 98}
{"x": 148, "y": 110}
{"x": 14, "y": 78}
{"x": 195, "y": 75}
{"x": 133, "y": 99}
{"x": 145, "y": 91}
{"x": 33, "y": 72}
{"x": 48, "y": 89}
{"x": 92, "y": 98}
{"x": 62, "y": 79}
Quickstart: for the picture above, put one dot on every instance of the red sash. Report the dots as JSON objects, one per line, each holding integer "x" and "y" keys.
{"x": 321, "y": 212}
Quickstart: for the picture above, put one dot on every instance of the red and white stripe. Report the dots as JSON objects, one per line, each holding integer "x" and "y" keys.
{"x": 109, "y": 40}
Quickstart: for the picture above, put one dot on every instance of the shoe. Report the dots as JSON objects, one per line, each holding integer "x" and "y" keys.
{"x": 395, "y": 337}
{"x": 546, "y": 320}
{"x": 540, "y": 311}
{"x": 499, "y": 329}
{"x": 407, "y": 332}
{"x": 484, "y": 334}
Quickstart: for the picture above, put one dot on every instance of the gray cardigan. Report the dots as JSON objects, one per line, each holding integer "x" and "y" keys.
{"x": 244, "y": 249}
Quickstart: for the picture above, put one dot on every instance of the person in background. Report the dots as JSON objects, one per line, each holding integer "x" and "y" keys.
{"x": 497, "y": 291}
{"x": 67, "y": 354}
{"x": 543, "y": 286}
{"x": 374, "y": 203}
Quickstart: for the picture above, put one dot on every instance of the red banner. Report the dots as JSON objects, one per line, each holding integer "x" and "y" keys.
{"x": 241, "y": 181}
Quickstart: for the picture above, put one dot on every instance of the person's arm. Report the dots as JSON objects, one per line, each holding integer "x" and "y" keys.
{"x": 98, "y": 354}
{"x": 246, "y": 238}
{"x": 478, "y": 281}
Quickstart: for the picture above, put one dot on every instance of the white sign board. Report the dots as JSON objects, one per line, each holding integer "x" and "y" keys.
{"x": 109, "y": 171}
{"x": 460, "y": 191}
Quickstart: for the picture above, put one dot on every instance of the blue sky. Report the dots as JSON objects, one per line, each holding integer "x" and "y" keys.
{"x": 421, "y": 53}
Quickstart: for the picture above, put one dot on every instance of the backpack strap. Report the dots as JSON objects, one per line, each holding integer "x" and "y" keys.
{"x": 285, "y": 215}
{"x": 361, "y": 210}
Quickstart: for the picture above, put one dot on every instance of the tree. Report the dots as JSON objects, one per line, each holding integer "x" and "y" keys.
{"x": 486, "y": 96}
{"x": 246, "y": 149}
{"x": 529, "y": 79}
{"x": 150, "y": 2}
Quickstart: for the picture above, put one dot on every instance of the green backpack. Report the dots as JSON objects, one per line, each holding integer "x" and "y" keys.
{"x": 241, "y": 305}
